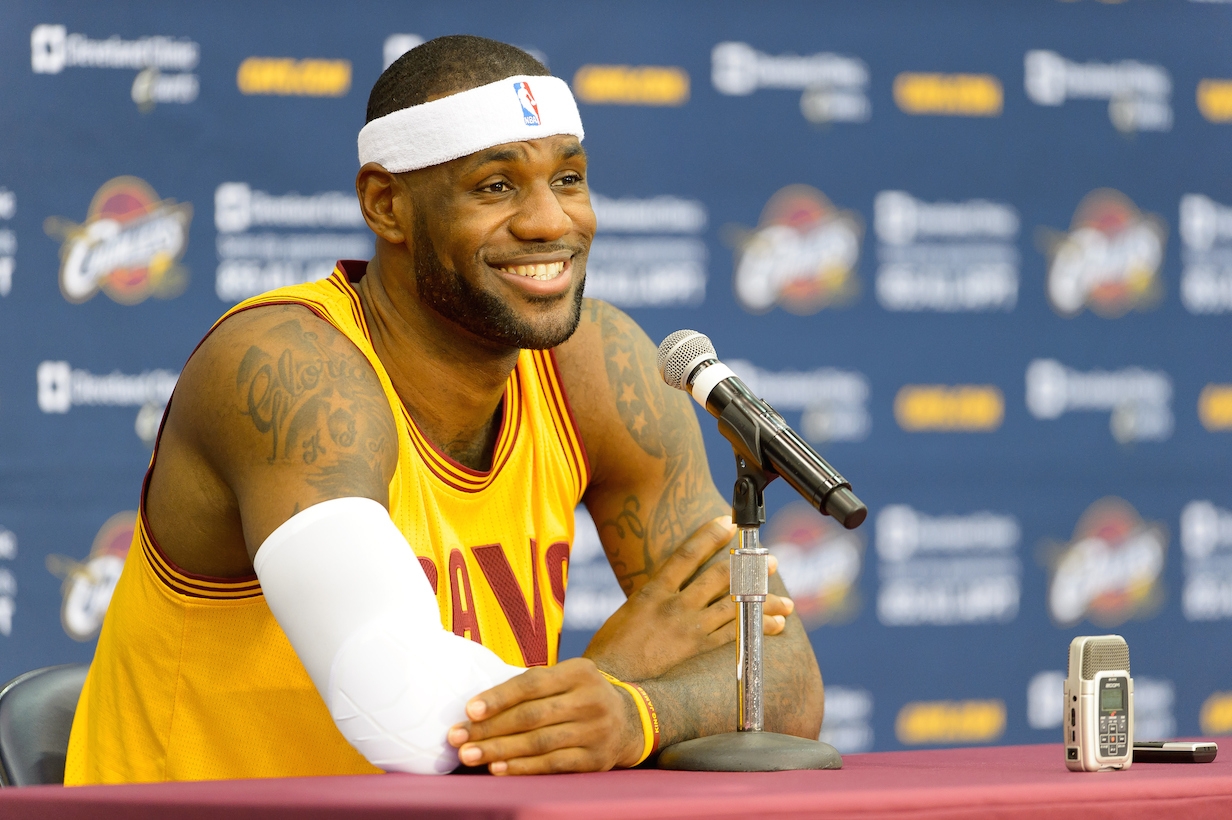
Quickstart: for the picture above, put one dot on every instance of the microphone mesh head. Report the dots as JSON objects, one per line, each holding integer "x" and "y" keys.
{"x": 681, "y": 351}
{"x": 1103, "y": 653}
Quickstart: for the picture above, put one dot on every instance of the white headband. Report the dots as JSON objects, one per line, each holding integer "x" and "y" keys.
{"x": 507, "y": 110}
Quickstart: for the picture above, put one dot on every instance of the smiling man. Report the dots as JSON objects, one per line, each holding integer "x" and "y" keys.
{"x": 352, "y": 548}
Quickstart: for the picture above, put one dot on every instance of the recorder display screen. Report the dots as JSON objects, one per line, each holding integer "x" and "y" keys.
{"x": 1111, "y": 700}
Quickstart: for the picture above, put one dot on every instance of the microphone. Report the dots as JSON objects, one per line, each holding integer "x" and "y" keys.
{"x": 687, "y": 361}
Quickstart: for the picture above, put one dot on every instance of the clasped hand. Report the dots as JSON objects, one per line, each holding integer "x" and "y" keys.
{"x": 568, "y": 718}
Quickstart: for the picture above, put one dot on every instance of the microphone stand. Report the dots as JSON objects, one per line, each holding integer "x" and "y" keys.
{"x": 750, "y": 748}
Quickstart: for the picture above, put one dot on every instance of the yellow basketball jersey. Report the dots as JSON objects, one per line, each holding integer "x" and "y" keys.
{"x": 193, "y": 678}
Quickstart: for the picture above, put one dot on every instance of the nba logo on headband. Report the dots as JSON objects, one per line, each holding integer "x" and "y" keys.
{"x": 530, "y": 110}
{"x": 460, "y": 124}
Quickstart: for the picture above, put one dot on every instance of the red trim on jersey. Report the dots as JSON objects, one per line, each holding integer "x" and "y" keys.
{"x": 550, "y": 391}
{"x": 459, "y": 466}
{"x": 439, "y": 463}
{"x": 353, "y": 268}
{"x": 224, "y": 589}
{"x": 568, "y": 411}
{"x": 459, "y": 476}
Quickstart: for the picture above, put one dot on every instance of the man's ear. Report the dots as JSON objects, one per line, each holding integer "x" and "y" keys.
{"x": 384, "y": 203}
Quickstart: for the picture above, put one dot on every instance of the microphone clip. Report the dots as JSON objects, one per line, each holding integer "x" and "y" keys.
{"x": 748, "y": 499}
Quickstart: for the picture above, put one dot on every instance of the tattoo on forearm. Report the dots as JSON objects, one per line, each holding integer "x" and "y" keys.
{"x": 316, "y": 400}
{"x": 626, "y": 524}
{"x": 659, "y": 420}
{"x": 698, "y": 697}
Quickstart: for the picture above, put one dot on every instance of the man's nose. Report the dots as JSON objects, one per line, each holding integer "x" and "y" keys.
{"x": 540, "y": 218}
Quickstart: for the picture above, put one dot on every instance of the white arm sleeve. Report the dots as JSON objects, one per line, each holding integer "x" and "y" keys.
{"x": 349, "y": 593}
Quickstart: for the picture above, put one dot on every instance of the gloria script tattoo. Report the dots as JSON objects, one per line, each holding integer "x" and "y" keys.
{"x": 315, "y": 399}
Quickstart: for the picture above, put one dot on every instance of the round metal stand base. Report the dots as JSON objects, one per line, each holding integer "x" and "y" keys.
{"x": 750, "y": 752}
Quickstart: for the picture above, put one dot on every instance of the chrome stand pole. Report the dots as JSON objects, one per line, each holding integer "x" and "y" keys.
{"x": 749, "y": 584}
{"x": 750, "y": 748}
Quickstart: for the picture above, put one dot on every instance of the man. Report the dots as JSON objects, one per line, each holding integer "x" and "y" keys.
{"x": 455, "y": 393}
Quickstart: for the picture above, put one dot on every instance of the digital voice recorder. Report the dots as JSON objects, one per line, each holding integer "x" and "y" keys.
{"x": 1099, "y": 705}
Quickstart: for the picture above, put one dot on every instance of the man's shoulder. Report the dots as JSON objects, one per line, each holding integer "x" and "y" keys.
{"x": 327, "y": 307}
{"x": 600, "y": 324}
{"x": 282, "y": 409}
{"x": 263, "y": 362}
{"x": 237, "y": 334}
{"x": 251, "y": 322}
{"x": 584, "y": 357}
{"x": 611, "y": 376}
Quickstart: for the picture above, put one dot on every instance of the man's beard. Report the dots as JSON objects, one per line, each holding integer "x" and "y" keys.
{"x": 483, "y": 313}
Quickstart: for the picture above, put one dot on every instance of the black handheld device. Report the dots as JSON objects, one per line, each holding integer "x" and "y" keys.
{"x": 1174, "y": 751}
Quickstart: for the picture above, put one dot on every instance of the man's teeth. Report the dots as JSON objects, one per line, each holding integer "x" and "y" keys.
{"x": 549, "y": 270}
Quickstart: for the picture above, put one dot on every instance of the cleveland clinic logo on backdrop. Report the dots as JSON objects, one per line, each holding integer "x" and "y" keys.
{"x": 802, "y": 256}
{"x": 1138, "y": 401}
{"x": 266, "y": 241}
{"x": 833, "y": 403}
{"x": 8, "y": 582}
{"x": 1206, "y": 541}
{"x": 164, "y": 65}
{"x": 62, "y": 387}
{"x": 945, "y": 256}
{"x": 1138, "y": 94}
{"x": 1109, "y": 261}
{"x": 395, "y": 45}
{"x": 947, "y": 569}
{"x": 129, "y": 246}
{"x": 648, "y": 252}
{"x": 849, "y": 719}
{"x": 1206, "y": 254}
{"x": 8, "y": 241}
{"x": 89, "y": 584}
{"x": 834, "y": 87}
{"x": 1110, "y": 571}
{"x": 819, "y": 560}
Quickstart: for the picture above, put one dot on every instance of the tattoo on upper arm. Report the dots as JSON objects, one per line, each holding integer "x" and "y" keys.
{"x": 661, "y": 421}
{"x": 315, "y": 400}
{"x": 639, "y": 401}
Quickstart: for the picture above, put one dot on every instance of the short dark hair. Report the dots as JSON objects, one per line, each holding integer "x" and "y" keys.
{"x": 447, "y": 65}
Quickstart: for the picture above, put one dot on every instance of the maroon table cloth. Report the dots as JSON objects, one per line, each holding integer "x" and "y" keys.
{"x": 1003, "y": 782}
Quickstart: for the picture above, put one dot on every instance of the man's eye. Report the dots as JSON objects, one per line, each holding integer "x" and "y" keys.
{"x": 498, "y": 187}
{"x": 569, "y": 179}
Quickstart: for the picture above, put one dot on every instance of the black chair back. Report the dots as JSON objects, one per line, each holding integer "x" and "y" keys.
{"x": 36, "y": 716}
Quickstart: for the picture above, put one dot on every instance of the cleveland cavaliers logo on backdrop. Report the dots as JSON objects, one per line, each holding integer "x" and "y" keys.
{"x": 1111, "y": 570}
{"x": 802, "y": 256}
{"x": 819, "y": 561}
{"x": 129, "y": 246}
{"x": 89, "y": 584}
{"x": 1110, "y": 259}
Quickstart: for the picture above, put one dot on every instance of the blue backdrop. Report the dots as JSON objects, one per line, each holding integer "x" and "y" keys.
{"x": 979, "y": 253}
